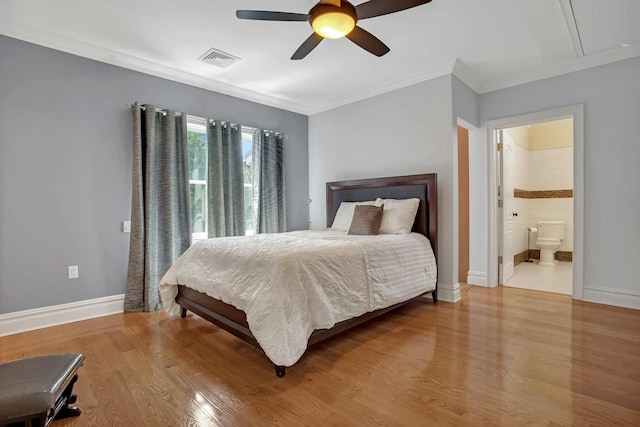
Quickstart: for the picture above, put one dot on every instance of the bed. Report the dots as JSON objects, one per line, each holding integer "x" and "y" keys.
{"x": 183, "y": 281}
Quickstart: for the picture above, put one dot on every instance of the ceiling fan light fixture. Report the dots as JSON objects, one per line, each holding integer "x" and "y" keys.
{"x": 333, "y": 19}
{"x": 333, "y": 25}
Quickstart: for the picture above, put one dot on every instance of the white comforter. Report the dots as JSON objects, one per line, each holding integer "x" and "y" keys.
{"x": 290, "y": 284}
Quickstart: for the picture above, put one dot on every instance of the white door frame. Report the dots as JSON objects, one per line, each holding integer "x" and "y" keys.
{"x": 577, "y": 113}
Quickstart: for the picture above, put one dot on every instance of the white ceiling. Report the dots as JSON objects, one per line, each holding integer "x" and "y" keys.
{"x": 489, "y": 44}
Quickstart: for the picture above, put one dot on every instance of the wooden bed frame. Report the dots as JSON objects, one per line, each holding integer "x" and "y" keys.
{"x": 422, "y": 186}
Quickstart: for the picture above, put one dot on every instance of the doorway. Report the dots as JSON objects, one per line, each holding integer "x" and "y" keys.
{"x": 536, "y": 189}
{"x": 507, "y": 224}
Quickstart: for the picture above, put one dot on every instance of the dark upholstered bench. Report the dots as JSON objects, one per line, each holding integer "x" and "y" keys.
{"x": 37, "y": 390}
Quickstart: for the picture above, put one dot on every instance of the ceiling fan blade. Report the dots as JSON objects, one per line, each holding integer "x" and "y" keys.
{"x": 368, "y": 41}
{"x": 374, "y": 8}
{"x": 308, "y": 45}
{"x": 265, "y": 15}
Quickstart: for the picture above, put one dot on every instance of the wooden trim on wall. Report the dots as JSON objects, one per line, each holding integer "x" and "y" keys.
{"x": 535, "y": 254}
{"x": 543, "y": 194}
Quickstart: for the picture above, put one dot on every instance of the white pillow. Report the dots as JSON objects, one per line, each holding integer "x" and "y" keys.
{"x": 398, "y": 215}
{"x": 344, "y": 215}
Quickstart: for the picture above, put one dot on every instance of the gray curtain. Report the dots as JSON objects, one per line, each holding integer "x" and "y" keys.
{"x": 225, "y": 180}
{"x": 268, "y": 183}
{"x": 160, "y": 228}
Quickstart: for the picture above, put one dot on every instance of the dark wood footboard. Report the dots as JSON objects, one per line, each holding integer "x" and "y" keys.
{"x": 234, "y": 320}
{"x": 217, "y": 312}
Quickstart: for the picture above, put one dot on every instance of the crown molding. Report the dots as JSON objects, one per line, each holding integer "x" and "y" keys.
{"x": 461, "y": 71}
{"x": 388, "y": 86}
{"x": 582, "y": 63}
{"x": 454, "y": 67}
{"x": 112, "y": 57}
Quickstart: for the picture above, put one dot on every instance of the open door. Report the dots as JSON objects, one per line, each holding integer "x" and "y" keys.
{"x": 505, "y": 207}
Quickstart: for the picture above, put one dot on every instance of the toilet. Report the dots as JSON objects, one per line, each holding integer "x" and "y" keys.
{"x": 550, "y": 236}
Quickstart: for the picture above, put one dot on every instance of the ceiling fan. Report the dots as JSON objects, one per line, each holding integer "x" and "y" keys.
{"x": 333, "y": 19}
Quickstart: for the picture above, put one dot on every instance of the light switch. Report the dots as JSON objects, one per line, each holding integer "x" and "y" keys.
{"x": 126, "y": 226}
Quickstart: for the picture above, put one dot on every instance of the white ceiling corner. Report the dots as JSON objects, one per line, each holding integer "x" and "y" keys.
{"x": 467, "y": 76}
{"x": 488, "y": 45}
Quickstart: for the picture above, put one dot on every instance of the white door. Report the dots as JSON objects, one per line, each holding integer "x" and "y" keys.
{"x": 505, "y": 207}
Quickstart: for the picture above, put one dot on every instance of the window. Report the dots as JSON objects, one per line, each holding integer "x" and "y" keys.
{"x": 197, "y": 148}
{"x": 247, "y": 160}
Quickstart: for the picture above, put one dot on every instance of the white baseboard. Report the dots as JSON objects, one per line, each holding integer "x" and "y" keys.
{"x": 617, "y": 297}
{"x": 449, "y": 292}
{"x": 477, "y": 278}
{"x": 37, "y": 318}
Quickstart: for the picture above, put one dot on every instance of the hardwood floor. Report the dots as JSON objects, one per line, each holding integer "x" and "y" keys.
{"x": 502, "y": 356}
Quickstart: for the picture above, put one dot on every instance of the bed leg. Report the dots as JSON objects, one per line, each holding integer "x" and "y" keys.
{"x": 434, "y": 295}
{"x": 280, "y": 371}
{"x": 183, "y": 312}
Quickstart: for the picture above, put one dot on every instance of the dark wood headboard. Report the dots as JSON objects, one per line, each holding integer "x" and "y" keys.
{"x": 423, "y": 187}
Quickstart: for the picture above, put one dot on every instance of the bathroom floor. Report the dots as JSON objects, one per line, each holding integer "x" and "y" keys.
{"x": 557, "y": 279}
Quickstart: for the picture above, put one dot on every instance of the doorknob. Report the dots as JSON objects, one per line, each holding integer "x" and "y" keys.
{"x": 515, "y": 214}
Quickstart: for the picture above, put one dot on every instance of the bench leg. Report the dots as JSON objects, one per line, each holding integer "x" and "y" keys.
{"x": 68, "y": 398}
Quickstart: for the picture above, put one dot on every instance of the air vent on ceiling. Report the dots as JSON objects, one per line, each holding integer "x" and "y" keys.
{"x": 218, "y": 58}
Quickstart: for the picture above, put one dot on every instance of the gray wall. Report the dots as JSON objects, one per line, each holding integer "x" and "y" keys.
{"x": 410, "y": 131}
{"x": 407, "y": 131}
{"x": 466, "y": 106}
{"x": 65, "y": 163}
{"x": 466, "y": 102}
{"x": 611, "y": 98}
{"x": 65, "y": 168}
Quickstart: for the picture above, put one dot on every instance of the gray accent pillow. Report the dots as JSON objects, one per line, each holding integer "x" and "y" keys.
{"x": 366, "y": 220}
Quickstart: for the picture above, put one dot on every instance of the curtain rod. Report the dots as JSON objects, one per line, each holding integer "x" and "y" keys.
{"x": 158, "y": 110}
{"x": 250, "y": 128}
{"x": 164, "y": 112}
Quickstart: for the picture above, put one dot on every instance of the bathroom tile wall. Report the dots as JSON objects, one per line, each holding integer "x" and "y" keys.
{"x": 521, "y": 166}
{"x": 539, "y": 171}
{"x": 551, "y": 169}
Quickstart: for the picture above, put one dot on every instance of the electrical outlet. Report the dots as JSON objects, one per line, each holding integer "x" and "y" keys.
{"x": 73, "y": 272}
{"x": 126, "y": 226}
